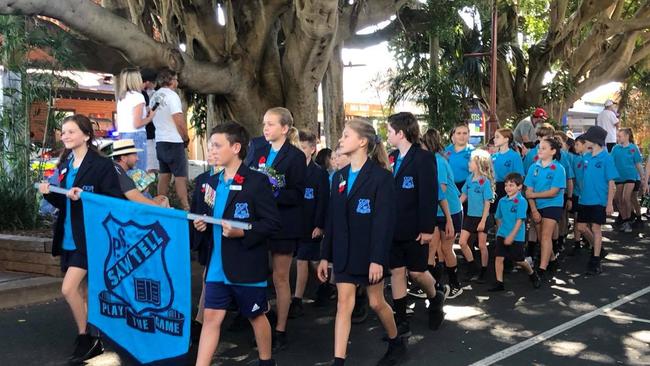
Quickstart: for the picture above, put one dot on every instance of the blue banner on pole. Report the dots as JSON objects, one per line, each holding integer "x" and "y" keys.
{"x": 139, "y": 279}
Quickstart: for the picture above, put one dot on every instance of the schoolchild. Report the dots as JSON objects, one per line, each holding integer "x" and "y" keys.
{"x": 416, "y": 186}
{"x": 449, "y": 221}
{"x": 459, "y": 153}
{"x": 314, "y": 214}
{"x": 478, "y": 191}
{"x": 511, "y": 233}
{"x": 81, "y": 168}
{"x": 284, "y": 159}
{"x": 543, "y": 131}
{"x": 359, "y": 232}
{"x": 237, "y": 266}
{"x": 505, "y": 161}
{"x": 596, "y": 202}
{"x": 545, "y": 184}
{"x": 627, "y": 158}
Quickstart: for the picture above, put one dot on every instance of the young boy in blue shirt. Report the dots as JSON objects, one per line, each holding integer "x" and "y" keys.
{"x": 596, "y": 202}
{"x": 511, "y": 232}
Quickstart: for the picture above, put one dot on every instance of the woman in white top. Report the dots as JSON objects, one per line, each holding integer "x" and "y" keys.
{"x": 132, "y": 114}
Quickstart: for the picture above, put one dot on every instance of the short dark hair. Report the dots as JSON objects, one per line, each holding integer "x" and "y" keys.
{"x": 235, "y": 134}
{"x": 323, "y": 158}
{"x": 407, "y": 123}
{"x": 306, "y": 136}
{"x": 515, "y": 178}
{"x": 165, "y": 77}
{"x": 148, "y": 75}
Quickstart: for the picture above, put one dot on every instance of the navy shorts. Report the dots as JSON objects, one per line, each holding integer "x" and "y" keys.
{"x": 251, "y": 300}
{"x": 553, "y": 213}
{"x": 308, "y": 251}
{"x": 515, "y": 251}
{"x": 470, "y": 224}
{"x": 410, "y": 254}
{"x": 73, "y": 258}
{"x": 574, "y": 204}
{"x": 592, "y": 214}
{"x": 283, "y": 246}
{"x": 172, "y": 158}
{"x": 456, "y": 219}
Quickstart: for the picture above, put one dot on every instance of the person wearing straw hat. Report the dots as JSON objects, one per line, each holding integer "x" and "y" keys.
{"x": 125, "y": 158}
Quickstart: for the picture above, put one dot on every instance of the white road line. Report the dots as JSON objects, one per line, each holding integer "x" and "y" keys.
{"x": 625, "y": 317}
{"x": 559, "y": 329}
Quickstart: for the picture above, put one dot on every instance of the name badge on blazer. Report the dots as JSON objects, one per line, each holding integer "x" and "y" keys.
{"x": 241, "y": 211}
{"x": 408, "y": 183}
{"x": 309, "y": 193}
{"x": 88, "y": 188}
{"x": 363, "y": 207}
{"x": 235, "y": 187}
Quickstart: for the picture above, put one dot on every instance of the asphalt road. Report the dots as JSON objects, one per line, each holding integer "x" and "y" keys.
{"x": 562, "y": 324}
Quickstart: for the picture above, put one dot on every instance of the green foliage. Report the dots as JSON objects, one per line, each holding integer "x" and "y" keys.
{"x": 19, "y": 207}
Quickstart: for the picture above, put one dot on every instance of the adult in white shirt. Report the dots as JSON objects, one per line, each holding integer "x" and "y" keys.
{"x": 608, "y": 120}
{"x": 171, "y": 136}
{"x": 132, "y": 114}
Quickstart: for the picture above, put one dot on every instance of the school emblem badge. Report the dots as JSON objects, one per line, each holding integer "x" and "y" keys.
{"x": 138, "y": 286}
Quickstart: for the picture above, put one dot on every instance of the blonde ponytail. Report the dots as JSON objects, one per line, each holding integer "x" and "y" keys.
{"x": 376, "y": 150}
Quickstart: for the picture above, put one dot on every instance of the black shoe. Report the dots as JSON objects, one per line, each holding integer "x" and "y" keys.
{"x": 497, "y": 287}
{"x": 541, "y": 274}
{"x": 552, "y": 267}
{"x": 395, "y": 354}
{"x": 603, "y": 253}
{"x": 403, "y": 330}
{"x": 280, "y": 341}
{"x": 86, "y": 347}
{"x": 436, "y": 313}
{"x": 324, "y": 295}
{"x": 195, "y": 331}
{"x": 593, "y": 268}
{"x": 452, "y": 291}
{"x": 574, "y": 250}
{"x": 415, "y": 291}
{"x": 296, "y": 309}
{"x": 472, "y": 272}
{"x": 535, "y": 280}
{"x": 481, "y": 278}
{"x": 360, "y": 311}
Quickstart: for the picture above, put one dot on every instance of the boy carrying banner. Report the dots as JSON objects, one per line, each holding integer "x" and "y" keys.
{"x": 237, "y": 268}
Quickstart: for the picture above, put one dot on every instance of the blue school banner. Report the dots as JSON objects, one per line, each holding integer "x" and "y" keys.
{"x": 139, "y": 277}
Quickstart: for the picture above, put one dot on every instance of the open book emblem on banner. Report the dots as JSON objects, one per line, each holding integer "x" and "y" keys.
{"x": 138, "y": 285}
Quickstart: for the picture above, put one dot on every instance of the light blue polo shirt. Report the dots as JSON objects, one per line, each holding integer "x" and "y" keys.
{"x": 578, "y": 170}
{"x": 566, "y": 161}
{"x": 626, "y": 158}
{"x": 478, "y": 191}
{"x": 506, "y": 163}
{"x": 509, "y": 210}
{"x": 215, "y": 269}
{"x": 529, "y": 159}
{"x": 542, "y": 179}
{"x": 68, "y": 238}
{"x": 446, "y": 176}
{"x": 271, "y": 157}
{"x": 459, "y": 161}
{"x": 598, "y": 171}
{"x": 352, "y": 176}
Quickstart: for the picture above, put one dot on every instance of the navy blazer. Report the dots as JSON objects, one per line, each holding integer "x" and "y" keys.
{"x": 317, "y": 195}
{"x": 245, "y": 260}
{"x": 199, "y": 205}
{"x": 416, "y": 184}
{"x": 289, "y": 161}
{"x": 254, "y": 144}
{"x": 96, "y": 174}
{"x": 360, "y": 225}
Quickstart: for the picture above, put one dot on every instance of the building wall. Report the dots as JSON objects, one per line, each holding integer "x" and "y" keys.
{"x": 91, "y": 108}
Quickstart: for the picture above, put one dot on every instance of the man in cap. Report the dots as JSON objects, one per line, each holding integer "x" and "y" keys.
{"x": 608, "y": 120}
{"x": 525, "y": 132}
{"x": 125, "y": 156}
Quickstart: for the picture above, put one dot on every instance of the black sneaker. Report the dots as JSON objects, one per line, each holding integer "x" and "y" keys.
{"x": 360, "y": 311}
{"x": 403, "y": 330}
{"x": 603, "y": 253}
{"x": 452, "y": 291}
{"x": 574, "y": 250}
{"x": 195, "y": 331}
{"x": 395, "y": 354}
{"x": 86, "y": 347}
{"x": 436, "y": 313}
{"x": 415, "y": 291}
{"x": 541, "y": 274}
{"x": 296, "y": 309}
{"x": 535, "y": 280}
{"x": 280, "y": 341}
{"x": 552, "y": 267}
{"x": 593, "y": 268}
{"x": 497, "y": 287}
{"x": 481, "y": 278}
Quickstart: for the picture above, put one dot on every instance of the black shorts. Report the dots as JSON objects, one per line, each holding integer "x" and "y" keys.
{"x": 308, "y": 251}
{"x": 410, "y": 254}
{"x": 470, "y": 224}
{"x": 637, "y": 185}
{"x": 553, "y": 213}
{"x": 251, "y": 300}
{"x": 574, "y": 204}
{"x": 73, "y": 258}
{"x": 172, "y": 158}
{"x": 283, "y": 246}
{"x": 592, "y": 214}
{"x": 610, "y": 146}
{"x": 359, "y": 280}
{"x": 456, "y": 219}
{"x": 515, "y": 251}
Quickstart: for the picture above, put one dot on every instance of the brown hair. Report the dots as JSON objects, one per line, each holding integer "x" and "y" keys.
{"x": 307, "y": 136}
{"x": 507, "y": 133}
{"x": 628, "y": 132}
{"x": 432, "y": 141}
{"x": 407, "y": 123}
{"x": 561, "y": 135}
{"x": 376, "y": 150}
{"x": 86, "y": 127}
{"x": 235, "y": 134}
{"x": 165, "y": 77}
{"x": 545, "y": 130}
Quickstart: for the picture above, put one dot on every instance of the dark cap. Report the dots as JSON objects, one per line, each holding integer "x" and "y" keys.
{"x": 595, "y": 134}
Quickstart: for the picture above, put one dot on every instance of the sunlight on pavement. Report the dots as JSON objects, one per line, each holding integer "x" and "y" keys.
{"x": 106, "y": 359}
{"x": 637, "y": 346}
{"x": 565, "y": 348}
{"x": 457, "y": 313}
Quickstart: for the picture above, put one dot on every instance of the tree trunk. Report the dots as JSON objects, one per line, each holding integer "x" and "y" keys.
{"x": 333, "y": 104}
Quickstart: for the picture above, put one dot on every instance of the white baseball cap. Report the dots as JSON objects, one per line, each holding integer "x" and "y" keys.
{"x": 609, "y": 103}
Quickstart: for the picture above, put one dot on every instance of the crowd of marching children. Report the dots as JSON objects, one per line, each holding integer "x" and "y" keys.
{"x": 358, "y": 216}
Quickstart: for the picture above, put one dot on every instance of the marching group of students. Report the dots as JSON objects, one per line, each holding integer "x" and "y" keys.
{"x": 361, "y": 216}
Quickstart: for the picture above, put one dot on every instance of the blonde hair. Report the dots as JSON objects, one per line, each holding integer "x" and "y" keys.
{"x": 293, "y": 136}
{"x": 376, "y": 150}
{"x": 483, "y": 161}
{"x": 286, "y": 119}
{"x": 128, "y": 80}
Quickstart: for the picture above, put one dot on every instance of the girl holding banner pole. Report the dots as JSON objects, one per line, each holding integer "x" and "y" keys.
{"x": 81, "y": 168}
